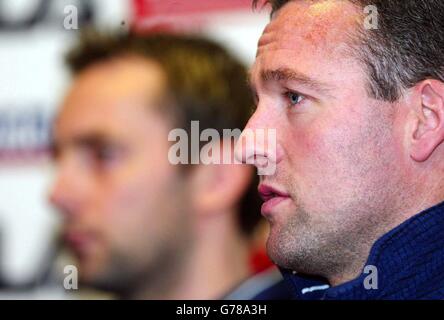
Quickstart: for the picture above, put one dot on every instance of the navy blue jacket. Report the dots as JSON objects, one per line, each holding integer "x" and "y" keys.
{"x": 409, "y": 261}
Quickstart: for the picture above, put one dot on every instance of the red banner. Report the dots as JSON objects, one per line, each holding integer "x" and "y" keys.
{"x": 149, "y": 13}
{"x": 147, "y": 8}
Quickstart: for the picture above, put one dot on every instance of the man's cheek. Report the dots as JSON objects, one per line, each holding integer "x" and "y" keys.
{"x": 316, "y": 164}
{"x": 129, "y": 201}
{"x": 308, "y": 149}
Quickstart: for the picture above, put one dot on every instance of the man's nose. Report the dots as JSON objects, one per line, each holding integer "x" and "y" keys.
{"x": 67, "y": 193}
{"x": 257, "y": 144}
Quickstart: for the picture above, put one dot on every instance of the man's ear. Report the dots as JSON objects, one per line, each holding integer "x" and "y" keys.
{"x": 219, "y": 187}
{"x": 428, "y": 127}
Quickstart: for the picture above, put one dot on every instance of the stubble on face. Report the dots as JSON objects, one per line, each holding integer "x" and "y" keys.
{"x": 340, "y": 207}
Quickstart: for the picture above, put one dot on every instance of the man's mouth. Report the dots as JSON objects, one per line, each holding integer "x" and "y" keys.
{"x": 79, "y": 241}
{"x": 271, "y": 197}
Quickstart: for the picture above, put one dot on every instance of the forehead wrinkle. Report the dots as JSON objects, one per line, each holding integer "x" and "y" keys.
{"x": 267, "y": 38}
{"x": 323, "y": 25}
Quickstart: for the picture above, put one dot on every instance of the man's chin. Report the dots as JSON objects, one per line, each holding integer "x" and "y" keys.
{"x": 104, "y": 278}
{"x": 276, "y": 251}
{"x": 96, "y": 281}
{"x": 90, "y": 273}
{"x": 87, "y": 276}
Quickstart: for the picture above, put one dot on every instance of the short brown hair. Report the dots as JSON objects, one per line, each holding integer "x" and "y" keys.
{"x": 407, "y": 47}
{"x": 205, "y": 81}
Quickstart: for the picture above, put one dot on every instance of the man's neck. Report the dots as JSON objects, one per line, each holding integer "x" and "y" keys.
{"x": 216, "y": 264}
{"x": 403, "y": 213}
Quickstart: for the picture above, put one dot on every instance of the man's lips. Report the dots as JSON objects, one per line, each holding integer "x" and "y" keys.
{"x": 271, "y": 197}
{"x": 78, "y": 241}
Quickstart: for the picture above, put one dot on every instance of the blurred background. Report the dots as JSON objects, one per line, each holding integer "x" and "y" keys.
{"x": 33, "y": 80}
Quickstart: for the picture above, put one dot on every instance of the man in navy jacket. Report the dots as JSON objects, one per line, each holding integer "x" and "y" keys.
{"x": 355, "y": 93}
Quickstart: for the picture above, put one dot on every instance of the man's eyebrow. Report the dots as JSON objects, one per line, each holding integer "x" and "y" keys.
{"x": 286, "y": 74}
{"x": 90, "y": 140}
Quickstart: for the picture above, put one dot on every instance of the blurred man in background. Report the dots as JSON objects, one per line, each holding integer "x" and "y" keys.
{"x": 139, "y": 226}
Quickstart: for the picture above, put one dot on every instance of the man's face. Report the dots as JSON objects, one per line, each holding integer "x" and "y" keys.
{"x": 124, "y": 205}
{"x": 336, "y": 147}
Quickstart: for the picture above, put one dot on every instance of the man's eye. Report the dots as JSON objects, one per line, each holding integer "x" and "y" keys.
{"x": 105, "y": 153}
{"x": 294, "y": 98}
